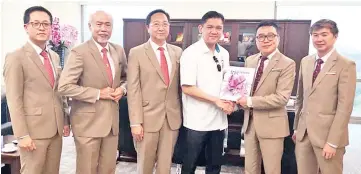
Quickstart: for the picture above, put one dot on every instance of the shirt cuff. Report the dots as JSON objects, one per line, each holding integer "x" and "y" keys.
{"x": 332, "y": 145}
{"x": 134, "y": 125}
{"x": 249, "y": 102}
{"x": 23, "y": 137}
{"x": 124, "y": 90}
{"x": 98, "y": 97}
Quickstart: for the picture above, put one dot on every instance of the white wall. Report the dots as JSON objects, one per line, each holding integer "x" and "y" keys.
{"x": 196, "y": 9}
{"x": 69, "y": 12}
{"x": 13, "y": 36}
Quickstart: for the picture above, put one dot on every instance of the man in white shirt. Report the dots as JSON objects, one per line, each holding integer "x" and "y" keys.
{"x": 265, "y": 118}
{"x": 154, "y": 96}
{"x": 204, "y": 113}
{"x": 325, "y": 96}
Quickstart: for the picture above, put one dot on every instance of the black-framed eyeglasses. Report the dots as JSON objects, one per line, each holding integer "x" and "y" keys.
{"x": 270, "y": 37}
{"x": 219, "y": 68}
{"x": 37, "y": 25}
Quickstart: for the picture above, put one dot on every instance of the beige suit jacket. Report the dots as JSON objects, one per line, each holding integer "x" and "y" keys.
{"x": 150, "y": 101}
{"x": 36, "y": 109}
{"x": 83, "y": 76}
{"x": 271, "y": 96}
{"x": 324, "y": 108}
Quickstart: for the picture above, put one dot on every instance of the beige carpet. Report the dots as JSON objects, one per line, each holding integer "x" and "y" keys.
{"x": 68, "y": 158}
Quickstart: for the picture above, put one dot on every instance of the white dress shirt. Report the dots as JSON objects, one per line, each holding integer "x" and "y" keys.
{"x": 110, "y": 59}
{"x": 157, "y": 54}
{"x": 38, "y": 51}
{"x": 249, "y": 99}
{"x": 325, "y": 58}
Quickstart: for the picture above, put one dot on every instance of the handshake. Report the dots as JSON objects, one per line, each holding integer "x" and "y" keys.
{"x": 228, "y": 106}
{"x": 109, "y": 93}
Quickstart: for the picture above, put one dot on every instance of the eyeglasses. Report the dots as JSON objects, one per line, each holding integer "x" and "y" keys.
{"x": 37, "y": 25}
{"x": 158, "y": 25}
{"x": 270, "y": 37}
{"x": 219, "y": 68}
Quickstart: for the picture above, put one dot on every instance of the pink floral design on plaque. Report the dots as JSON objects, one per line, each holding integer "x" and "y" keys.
{"x": 237, "y": 85}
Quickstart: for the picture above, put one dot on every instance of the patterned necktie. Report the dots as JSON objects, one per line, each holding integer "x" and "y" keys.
{"x": 107, "y": 65}
{"x": 257, "y": 79}
{"x": 48, "y": 67}
{"x": 164, "y": 65}
{"x": 259, "y": 73}
{"x": 317, "y": 70}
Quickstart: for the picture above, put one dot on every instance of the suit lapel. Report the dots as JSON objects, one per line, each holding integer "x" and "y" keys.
{"x": 55, "y": 67}
{"x": 252, "y": 62}
{"x": 329, "y": 64}
{"x": 153, "y": 59}
{"x": 115, "y": 57}
{"x": 271, "y": 64}
{"x": 99, "y": 60}
{"x": 173, "y": 60}
{"x": 32, "y": 55}
{"x": 310, "y": 66}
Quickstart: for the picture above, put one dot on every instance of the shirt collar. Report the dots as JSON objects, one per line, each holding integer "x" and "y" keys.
{"x": 205, "y": 48}
{"x": 271, "y": 55}
{"x": 37, "y": 48}
{"x": 100, "y": 47}
{"x": 325, "y": 57}
{"x": 155, "y": 46}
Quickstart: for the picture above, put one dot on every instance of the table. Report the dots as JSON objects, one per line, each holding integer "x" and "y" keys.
{"x": 13, "y": 159}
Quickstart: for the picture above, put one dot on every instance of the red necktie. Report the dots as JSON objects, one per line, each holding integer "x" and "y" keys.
{"x": 317, "y": 70}
{"x": 107, "y": 65}
{"x": 257, "y": 79}
{"x": 164, "y": 65}
{"x": 48, "y": 67}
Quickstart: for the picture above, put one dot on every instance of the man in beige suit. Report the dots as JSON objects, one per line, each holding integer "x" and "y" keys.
{"x": 95, "y": 78}
{"x": 36, "y": 109}
{"x": 153, "y": 96}
{"x": 265, "y": 117}
{"x": 325, "y": 95}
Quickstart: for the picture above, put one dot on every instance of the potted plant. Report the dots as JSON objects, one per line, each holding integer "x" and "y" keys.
{"x": 63, "y": 37}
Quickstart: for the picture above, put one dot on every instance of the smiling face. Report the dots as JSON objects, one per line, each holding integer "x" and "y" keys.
{"x": 158, "y": 28}
{"x": 323, "y": 40}
{"x": 101, "y": 27}
{"x": 39, "y": 27}
{"x": 267, "y": 40}
{"x": 211, "y": 30}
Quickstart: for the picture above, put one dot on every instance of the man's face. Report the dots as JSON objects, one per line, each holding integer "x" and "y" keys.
{"x": 158, "y": 27}
{"x": 267, "y": 39}
{"x": 101, "y": 27}
{"x": 211, "y": 30}
{"x": 39, "y": 27}
{"x": 323, "y": 40}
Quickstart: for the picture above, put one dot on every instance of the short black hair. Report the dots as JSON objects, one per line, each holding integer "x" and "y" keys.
{"x": 325, "y": 23}
{"x": 268, "y": 23}
{"x": 149, "y": 16}
{"x": 33, "y": 9}
{"x": 211, "y": 14}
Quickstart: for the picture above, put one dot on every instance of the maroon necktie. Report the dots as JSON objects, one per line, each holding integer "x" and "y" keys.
{"x": 48, "y": 67}
{"x": 259, "y": 73}
{"x": 107, "y": 65}
{"x": 258, "y": 78}
{"x": 317, "y": 70}
{"x": 164, "y": 65}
